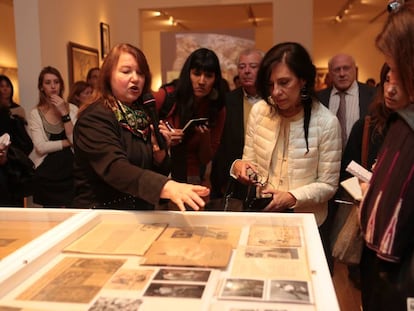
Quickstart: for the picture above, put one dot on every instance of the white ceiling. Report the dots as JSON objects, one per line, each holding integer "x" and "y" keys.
{"x": 362, "y": 13}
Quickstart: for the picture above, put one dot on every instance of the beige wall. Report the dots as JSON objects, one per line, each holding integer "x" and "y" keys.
{"x": 77, "y": 20}
{"x": 8, "y": 54}
{"x": 327, "y": 42}
{"x": 44, "y": 28}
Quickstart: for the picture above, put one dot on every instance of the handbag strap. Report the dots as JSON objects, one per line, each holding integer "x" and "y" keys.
{"x": 365, "y": 142}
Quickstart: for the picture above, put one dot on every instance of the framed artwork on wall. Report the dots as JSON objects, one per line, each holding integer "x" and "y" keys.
{"x": 80, "y": 59}
{"x": 321, "y": 79}
{"x": 105, "y": 40}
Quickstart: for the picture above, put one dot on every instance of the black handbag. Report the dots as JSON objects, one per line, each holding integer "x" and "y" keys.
{"x": 254, "y": 204}
{"x": 348, "y": 241}
{"x": 20, "y": 171}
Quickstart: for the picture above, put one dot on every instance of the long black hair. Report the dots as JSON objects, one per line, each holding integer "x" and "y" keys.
{"x": 10, "y": 84}
{"x": 298, "y": 60}
{"x": 203, "y": 60}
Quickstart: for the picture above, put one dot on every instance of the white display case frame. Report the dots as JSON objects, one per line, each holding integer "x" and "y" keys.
{"x": 17, "y": 267}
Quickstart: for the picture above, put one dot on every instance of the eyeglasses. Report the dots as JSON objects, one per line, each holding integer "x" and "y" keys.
{"x": 337, "y": 70}
{"x": 257, "y": 179}
{"x": 394, "y": 6}
{"x": 255, "y": 199}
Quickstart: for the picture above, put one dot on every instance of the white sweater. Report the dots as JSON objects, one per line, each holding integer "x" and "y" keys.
{"x": 41, "y": 143}
{"x": 313, "y": 176}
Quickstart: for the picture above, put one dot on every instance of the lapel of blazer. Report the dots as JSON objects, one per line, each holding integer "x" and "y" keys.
{"x": 365, "y": 97}
{"x": 236, "y": 113}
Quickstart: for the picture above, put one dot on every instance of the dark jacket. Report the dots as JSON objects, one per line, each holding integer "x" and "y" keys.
{"x": 366, "y": 95}
{"x": 113, "y": 168}
{"x": 353, "y": 148}
{"x": 230, "y": 149}
{"x": 17, "y": 173}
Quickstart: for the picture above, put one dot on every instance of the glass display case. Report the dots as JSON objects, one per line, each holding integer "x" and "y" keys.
{"x": 165, "y": 260}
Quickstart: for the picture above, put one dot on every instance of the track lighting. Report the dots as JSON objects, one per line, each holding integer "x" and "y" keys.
{"x": 345, "y": 10}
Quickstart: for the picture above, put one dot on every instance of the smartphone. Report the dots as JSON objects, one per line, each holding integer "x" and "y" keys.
{"x": 196, "y": 122}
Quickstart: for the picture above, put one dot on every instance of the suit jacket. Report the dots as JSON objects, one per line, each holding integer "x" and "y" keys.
{"x": 230, "y": 149}
{"x": 366, "y": 95}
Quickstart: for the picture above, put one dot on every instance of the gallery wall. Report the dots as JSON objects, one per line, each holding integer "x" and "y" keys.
{"x": 43, "y": 29}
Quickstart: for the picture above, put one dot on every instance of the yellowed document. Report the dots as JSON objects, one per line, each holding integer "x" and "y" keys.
{"x": 277, "y": 236}
{"x": 189, "y": 253}
{"x": 130, "y": 279}
{"x": 202, "y": 234}
{"x": 117, "y": 239}
{"x": 15, "y": 234}
{"x": 270, "y": 262}
{"x": 276, "y": 252}
{"x": 73, "y": 280}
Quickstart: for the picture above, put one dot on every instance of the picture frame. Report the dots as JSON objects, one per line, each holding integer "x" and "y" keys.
{"x": 80, "y": 59}
{"x": 105, "y": 40}
{"x": 321, "y": 78}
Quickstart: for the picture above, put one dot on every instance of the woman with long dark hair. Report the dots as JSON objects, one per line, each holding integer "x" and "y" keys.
{"x": 387, "y": 213}
{"x": 197, "y": 93}
{"x": 293, "y": 147}
{"x": 13, "y": 187}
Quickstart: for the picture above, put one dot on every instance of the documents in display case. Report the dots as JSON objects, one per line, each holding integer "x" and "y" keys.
{"x": 123, "y": 260}
{"x": 17, "y": 229}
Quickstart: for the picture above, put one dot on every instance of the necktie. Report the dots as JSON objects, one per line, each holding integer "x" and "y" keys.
{"x": 341, "y": 114}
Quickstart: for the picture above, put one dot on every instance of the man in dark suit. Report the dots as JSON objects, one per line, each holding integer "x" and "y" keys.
{"x": 238, "y": 105}
{"x": 358, "y": 96}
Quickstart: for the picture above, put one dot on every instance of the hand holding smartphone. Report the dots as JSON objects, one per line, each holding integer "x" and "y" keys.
{"x": 196, "y": 122}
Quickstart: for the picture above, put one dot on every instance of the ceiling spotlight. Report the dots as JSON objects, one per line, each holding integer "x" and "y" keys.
{"x": 345, "y": 10}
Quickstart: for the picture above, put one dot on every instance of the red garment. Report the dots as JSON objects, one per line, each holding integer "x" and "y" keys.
{"x": 193, "y": 143}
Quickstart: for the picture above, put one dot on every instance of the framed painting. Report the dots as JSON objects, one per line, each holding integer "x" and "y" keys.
{"x": 80, "y": 59}
{"x": 322, "y": 79}
{"x": 105, "y": 40}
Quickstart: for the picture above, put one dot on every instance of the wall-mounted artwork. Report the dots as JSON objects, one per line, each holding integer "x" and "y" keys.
{"x": 105, "y": 40}
{"x": 11, "y": 73}
{"x": 322, "y": 79}
{"x": 177, "y": 47}
{"x": 80, "y": 59}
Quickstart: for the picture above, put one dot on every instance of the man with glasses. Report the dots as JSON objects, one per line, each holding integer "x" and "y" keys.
{"x": 348, "y": 99}
{"x": 357, "y": 96}
{"x": 238, "y": 105}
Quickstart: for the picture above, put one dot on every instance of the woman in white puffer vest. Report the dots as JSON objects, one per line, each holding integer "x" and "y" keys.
{"x": 293, "y": 143}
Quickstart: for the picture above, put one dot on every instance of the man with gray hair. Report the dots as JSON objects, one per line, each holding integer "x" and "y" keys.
{"x": 238, "y": 105}
{"x": 348, "y": 99}
{"x": 354, "y": 96}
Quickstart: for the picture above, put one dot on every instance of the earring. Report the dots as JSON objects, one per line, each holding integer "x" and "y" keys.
{"x": 213, "y": 94}
{"x": 304, "y": 94}
{"x": 271, "y": 101}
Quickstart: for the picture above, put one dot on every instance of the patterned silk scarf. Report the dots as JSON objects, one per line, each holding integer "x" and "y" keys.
{"x": 134, "y": 120}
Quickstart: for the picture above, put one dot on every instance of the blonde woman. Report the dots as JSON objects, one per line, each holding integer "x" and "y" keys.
{"x": 51, "y": 127}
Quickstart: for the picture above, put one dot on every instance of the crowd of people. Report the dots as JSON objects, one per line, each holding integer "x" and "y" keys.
{"x": 275, "y": 143}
